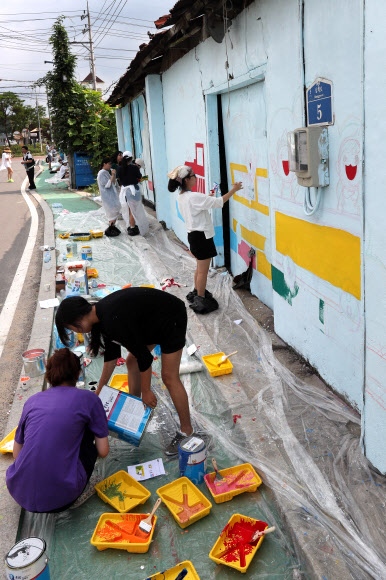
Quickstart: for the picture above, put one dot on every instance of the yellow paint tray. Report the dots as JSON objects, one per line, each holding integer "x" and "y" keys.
{"x": 215, "y": 370}
{"x": 237, "y": 531}
{"x": 120, "y": 383}
{"x": 64, "y": 236}
{"x": 119, "y": 531}
{"x": 6, "y": 445}
{"x": 122, "y": 491}
{"x": 147, "y": 286}
{"x": 81, "y": 237}
{"x": 92, "y": 273}
{"x": 185, "y": 501}
{"x": 240, "y": 479}
{"x": 96, "y": 233}
{"x": 172, "y": 573}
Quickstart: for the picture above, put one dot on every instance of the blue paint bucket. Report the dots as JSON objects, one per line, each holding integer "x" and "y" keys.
{"x": 192, "y": 458}
{"x": 27, "y": 560}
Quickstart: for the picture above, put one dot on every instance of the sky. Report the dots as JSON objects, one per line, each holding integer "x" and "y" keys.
{"x": 118, "y": 28}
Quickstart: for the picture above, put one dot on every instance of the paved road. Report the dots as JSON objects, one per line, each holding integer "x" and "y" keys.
{"x": 14, "y": 230}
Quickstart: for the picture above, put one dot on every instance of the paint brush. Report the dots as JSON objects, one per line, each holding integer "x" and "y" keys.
{"x": 240, "y": 545}
{"x": 257, "y": 534}
{"x": 146, "y": 525}
{"x": 218, "y": 478}
{"x": 225, "y": 356}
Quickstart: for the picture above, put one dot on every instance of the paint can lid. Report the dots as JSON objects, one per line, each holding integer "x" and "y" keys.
{"x": 25, "y": 552}
{"x": 192, "y": 444}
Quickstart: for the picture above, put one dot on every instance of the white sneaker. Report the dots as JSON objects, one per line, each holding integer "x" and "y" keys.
{"x": 28, "y": 190}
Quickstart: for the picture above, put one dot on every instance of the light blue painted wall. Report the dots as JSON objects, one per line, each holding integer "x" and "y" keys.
{"x": 126, "y": 123}
{"x": 374, "y": 417}
{"x": 269, "y": 34}
{"x": 118, "y": 120}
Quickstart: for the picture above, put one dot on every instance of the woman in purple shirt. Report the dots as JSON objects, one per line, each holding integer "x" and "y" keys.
{"x": 54, "y": 448}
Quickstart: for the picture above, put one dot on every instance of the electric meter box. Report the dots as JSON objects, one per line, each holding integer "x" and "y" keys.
{"x": 308, "y": 156}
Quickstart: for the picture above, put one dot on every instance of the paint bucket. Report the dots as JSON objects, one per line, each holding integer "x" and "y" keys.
{"x": 86, "y": 253}
{"x": 72, "y": 248}
{"x": 192, "y": 458}
{"x": 82, "y": 375}
{"x": 27, "y": 560}
{"x": 34, "y": 362}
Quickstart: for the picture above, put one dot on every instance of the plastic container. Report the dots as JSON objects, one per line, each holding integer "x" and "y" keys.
{"x": 81, "y": 237}
{"x": 240, "y": 479}
{"x": 120, "y": 382}
{"x": 34, "y": 362}
{"x": 6, "y": 445}
{"x": 47, "y": 260}
{"x": 86, "y": 253}
{"x": 72, "y": 248}
{"x": 236, "y": 534}
{"x": 116, "y": 489}
{"x": 192, "y": 458}
{"x": 92, "y": 273}
{"x": 28, "y": 560}
{"x": 172, "y": 573}
{"x": 215, "y": 370}
{"x": 185, "y": 501}
{"x": 96, "y": 233}
{"x": 119, "y": 531}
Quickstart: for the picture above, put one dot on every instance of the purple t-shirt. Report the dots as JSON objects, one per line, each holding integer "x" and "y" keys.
{"x": 47, "y": 474}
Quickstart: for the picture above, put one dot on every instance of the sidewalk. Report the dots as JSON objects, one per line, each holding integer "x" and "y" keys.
{"x": 327, "y": 505}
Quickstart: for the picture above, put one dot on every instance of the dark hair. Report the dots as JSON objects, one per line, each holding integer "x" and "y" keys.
{"x": 114, "y": 157}
{"x": 70, "y": 312}
{"x": 174, "y": 184}
{"x": 105, "y": 160}
{"x": 63, "y": 367}
{"x": 24, "y": 147}
{"x": 126, "y": 161}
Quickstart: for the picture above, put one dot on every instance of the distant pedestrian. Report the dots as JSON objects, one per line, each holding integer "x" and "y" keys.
{"x": 194, "y": 206}
{"x": 130, "y": 196}
{"x": 49, "y": 156}
{"x": 109, "y": 195}
{"x": 6, "y": 163}
{"x": 29, "y": 164}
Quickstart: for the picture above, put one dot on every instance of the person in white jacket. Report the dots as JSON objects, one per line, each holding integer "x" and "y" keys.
{"x": 6, "y": 163}
{"x": 194, "y": 208}
{"x": 109, "y": 195}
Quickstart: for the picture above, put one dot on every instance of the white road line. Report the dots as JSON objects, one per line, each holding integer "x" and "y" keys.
{"x": 11, "y": 302}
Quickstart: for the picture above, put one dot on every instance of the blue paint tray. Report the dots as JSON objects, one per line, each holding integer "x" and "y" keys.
{"x": 126, "y": 415}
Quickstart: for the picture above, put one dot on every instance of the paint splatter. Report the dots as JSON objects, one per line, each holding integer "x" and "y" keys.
{"x": 321, "y": 311}
{"x": 280, "y": 286}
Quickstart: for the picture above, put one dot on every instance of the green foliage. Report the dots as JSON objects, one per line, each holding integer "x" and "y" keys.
{"x": 93, "y": 189}
{"x": 9, "y": 102}
{"x": 81, "y": 120}
{"x": 17, "y": 152}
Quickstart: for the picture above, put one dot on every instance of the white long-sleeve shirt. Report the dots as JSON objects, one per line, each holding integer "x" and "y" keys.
{"x": 193, "y": 207}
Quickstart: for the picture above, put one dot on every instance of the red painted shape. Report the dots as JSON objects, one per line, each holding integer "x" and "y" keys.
{"x": 351, "y": 171}
{"x": 236, "y": 542}
{"x": 285, "y": 166}
{"x": 199, "y": 170}
{"x": 150, "y": 185}
{"x": 243, "y": 250}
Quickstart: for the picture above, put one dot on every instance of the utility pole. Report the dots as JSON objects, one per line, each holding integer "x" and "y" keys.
{"x": 37, "y": 110}
{"x": 90, "y": 47}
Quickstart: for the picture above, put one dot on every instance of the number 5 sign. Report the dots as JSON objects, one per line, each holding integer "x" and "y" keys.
{"x": 319, "y": 103}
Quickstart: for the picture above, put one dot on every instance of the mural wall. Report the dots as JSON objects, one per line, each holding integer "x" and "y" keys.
{"x": 309, "y": 269}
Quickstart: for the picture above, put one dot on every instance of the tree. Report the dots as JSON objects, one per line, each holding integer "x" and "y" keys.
{"x": 9, "y": 102}
{"x": 81, "y": 120}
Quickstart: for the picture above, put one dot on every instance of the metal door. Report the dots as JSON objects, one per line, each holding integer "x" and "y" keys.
{"x": 245, "y": 137}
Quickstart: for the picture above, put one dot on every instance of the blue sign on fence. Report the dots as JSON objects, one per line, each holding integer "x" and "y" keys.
{"x": 319, "y": 103}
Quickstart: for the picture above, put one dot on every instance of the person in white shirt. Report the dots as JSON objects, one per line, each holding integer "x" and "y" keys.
{"x": 63, "y": 171}
{"x": 194, "y": 208}
{"x": 6, "y": 163}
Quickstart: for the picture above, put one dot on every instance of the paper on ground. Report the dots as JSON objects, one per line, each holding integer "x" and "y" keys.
{"x": 51, "y": 303}
{"x": 238, "y": 321}
{"x": 146, "y": 470}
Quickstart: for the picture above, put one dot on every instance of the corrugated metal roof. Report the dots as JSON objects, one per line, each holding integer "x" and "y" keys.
{"x": 190, "y": 22}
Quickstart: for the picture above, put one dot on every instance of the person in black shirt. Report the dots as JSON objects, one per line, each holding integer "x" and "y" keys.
{"x": 129, "y": 176}
{"x": 29, "y": 164}
{"x": 138, "y": 319}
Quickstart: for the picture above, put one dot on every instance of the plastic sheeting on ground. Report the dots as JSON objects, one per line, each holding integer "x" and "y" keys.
{"x": 282, "y": 422}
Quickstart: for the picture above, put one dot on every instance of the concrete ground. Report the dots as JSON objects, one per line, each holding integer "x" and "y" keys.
{"x": 326, "y": 447}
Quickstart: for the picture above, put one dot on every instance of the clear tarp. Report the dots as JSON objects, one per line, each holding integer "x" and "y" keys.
{"x": 301, "y": 439}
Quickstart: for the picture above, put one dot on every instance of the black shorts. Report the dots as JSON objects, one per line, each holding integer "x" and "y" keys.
{"x": 175, "y": 331}
{"x": 201, "y": 247}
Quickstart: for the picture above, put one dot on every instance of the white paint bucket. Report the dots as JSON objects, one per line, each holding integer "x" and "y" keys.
{"x": 34, "y": 362}
{"x": 27, "y": 560}
{"x": 86, "y": 253}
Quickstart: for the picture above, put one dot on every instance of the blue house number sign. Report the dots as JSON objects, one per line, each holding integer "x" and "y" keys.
{"x": 319, "y": 103}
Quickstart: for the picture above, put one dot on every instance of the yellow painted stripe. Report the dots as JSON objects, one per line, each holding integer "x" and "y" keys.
{"x": 262, "y": 265}
{"x": 234, "y": 225}
{"x": 252, "y": 204}
{"x": 331, "y": 254}
{"x": 253, "y": 238}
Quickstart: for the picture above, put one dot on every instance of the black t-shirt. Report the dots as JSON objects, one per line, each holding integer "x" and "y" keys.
{"x": 129, "y": 175}
{"x": 135, "y": 318}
